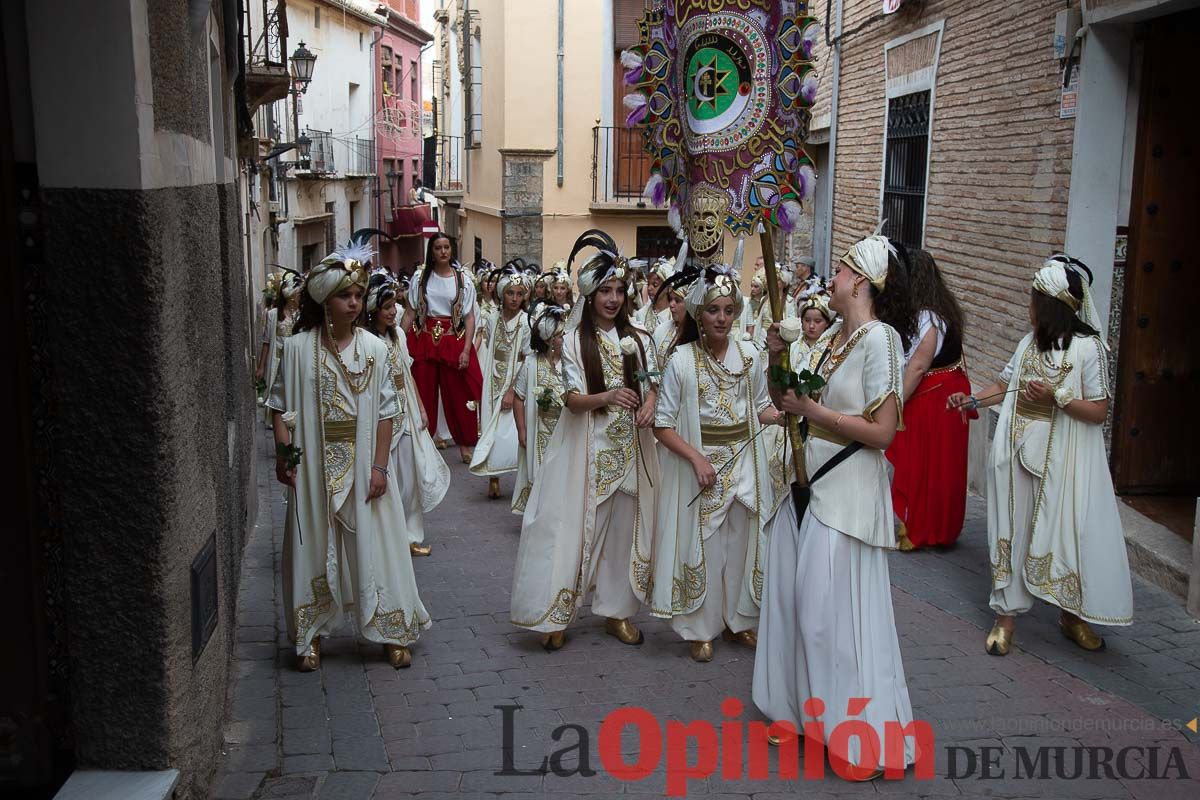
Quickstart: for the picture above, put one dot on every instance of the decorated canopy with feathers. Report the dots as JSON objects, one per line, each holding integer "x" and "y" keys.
{"x": 723, "y": 90}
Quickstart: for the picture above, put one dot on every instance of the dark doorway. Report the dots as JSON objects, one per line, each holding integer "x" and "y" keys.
{"x": 1156, "y": 433}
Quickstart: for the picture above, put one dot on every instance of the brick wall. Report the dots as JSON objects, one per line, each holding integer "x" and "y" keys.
{"x": 1000, "y": 158}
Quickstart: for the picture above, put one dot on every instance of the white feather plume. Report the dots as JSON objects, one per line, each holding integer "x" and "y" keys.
{"x": 631, "y": 59}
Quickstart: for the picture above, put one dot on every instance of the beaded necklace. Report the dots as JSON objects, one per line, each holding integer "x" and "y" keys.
{"x": 358, "y": 380}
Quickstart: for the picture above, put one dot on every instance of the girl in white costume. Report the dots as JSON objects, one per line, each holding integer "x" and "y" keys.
{"x": 539, "y": 387}
{"x": 658, "y": 309}
{"x": 816, "y": 319}
{"x": 827, "y": 628}
{"x": 1053, "y": 529}
{"x": 712, "y": 549}
{"x": 507, "y": 339}
{"x": 346, "y": 541}
{"x": 561, "y": 290}
{"x": 419, "y": 467}
{"x": 666, "y": 336}
{"x": 593, "y": 502}
{"x": 281, "y": 318}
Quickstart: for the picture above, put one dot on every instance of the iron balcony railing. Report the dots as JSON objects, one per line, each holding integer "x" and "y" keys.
{"x": 447, "y": 163}
{"x": 620, "y": 165}
{"x": 268, "y": 48}
{"x": 360, "y": 156}
{"x": 320, "y": 152}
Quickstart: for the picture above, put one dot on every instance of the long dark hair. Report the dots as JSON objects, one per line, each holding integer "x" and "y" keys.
{"x": 425, "y": 273}
{"x": 929, "y": 291}
{"x": 1055, "y": 322}
{"x": 589, "y": 348}
{"x": 894, "y": 305}
{"x": 312, "y": 315}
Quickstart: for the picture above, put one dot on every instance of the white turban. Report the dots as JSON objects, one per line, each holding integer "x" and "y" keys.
{"x": 716, "y": 282}
{"x": 1051, "y": 280}
{"x": 512, "y": 278}
{"x": 339, "y": 270}
{"x": 291, "y": 285}
{"x": 549, "y": 321}
{"x": 869, "y": 258}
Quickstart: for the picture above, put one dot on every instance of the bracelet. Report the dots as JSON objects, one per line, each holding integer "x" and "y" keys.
{"x": 381, "y": 469}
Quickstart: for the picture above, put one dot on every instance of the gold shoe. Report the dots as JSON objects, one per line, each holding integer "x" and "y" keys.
{"x": 624, "y": 630}
{"x": 745, "y": 638}
{"x": 554, "y": 641}
{"x": 417, "y": 550}
{"x": 1081, "y": 634}
{"x": 702, "y": 652}
{"x": 399, "y": 657}
{"x": 903, "y": 543}
{"x": 441, "y": 444}
{"x": 494, "y": 489}
{"x": 466, "y": 457}
{"x": 312, "y": 661}
{"x": 775, "y": 740}
{"x": 999, "y": 641}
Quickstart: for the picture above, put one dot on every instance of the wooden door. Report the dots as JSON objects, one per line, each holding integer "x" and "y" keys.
{"x": 1156, "y": 430}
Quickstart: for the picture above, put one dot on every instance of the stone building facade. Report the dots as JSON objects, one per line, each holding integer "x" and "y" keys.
{"x": 128, "y": 319}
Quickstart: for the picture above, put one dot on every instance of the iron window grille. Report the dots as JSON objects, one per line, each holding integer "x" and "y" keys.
{"x": 905, "y": 168}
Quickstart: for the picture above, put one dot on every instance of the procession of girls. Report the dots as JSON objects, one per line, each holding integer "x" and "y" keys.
{"x": 651, "y": 470}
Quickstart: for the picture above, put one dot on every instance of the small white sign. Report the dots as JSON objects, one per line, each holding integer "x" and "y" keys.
{"x": 1068, "y": 104}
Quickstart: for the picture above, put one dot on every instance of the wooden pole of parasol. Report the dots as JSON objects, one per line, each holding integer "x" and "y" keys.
{"x": 775, "y": 296}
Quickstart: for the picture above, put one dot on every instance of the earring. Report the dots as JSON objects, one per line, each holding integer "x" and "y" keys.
{"x": 855, "y": 292}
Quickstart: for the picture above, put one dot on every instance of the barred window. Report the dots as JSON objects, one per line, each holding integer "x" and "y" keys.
{"x": 906, "y": 168}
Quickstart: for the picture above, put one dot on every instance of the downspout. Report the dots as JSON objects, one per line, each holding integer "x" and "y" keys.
{"x": 827, "y": 205}
{"x": 559, "y": 143}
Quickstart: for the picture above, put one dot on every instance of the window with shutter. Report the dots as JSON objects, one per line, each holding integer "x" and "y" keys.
{"x": 626, "y": 14}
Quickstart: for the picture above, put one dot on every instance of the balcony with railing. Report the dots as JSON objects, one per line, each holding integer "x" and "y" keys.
{"x": 267, "y": 77}
{"x": 620, "y": 168}
{"x": 445, "y": 160}
{"x": 320, "y": 161}
{"x": 360, "y": 156}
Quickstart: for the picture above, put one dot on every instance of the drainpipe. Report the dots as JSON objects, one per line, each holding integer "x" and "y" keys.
{"x": 559, "y": 146}
{"x": 827, "y": 205}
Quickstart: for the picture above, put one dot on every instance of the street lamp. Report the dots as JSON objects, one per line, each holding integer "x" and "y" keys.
{"x": 303, "y": 61}
{"x": 392, "y": 176}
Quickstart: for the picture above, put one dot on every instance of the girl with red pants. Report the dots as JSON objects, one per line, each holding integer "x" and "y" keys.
{"x": 440, "y": 323}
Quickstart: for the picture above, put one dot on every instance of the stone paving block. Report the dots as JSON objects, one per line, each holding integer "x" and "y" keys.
{"x": 253, "y": 708}
{"x": 253, "y": 731}
{"x": 401, "y": 784}
{"x": 488, "y": 781}
{"x": 250, "y": 758}
{"x": 431, "y": 745}
{"x": 302, "y": 694}
{"x": 236, "y": 785}
{"x": 287, "y": 788}
{"x": 307, "y": 764}
{"x": 365, "y": 753}
{"x": 348, "y": 786}
{"x": 306, "y": 741}
{"x": 395, "y": 731}
{"x": 310, "y": 717}
{"x": 343, "y": 726}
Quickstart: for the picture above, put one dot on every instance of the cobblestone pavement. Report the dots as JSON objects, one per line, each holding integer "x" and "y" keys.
{"x": 358, "y": 729}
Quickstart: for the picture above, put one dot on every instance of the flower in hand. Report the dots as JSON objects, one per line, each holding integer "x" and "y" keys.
{"x": 629, "y": 346}
{"x": 791, "y": 329}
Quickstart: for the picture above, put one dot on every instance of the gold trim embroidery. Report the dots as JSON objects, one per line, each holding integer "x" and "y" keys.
{"x": 396, "y": 625}
{"x": 307, "y": 615}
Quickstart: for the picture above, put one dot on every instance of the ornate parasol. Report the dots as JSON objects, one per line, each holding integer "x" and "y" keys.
{"x": 722, "y": 89}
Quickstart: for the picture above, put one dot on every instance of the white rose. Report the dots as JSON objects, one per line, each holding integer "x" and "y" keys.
{"x": 790, "y": 329}
{"x": 472, "y": 405}
{"x": 1063, "y": 396}
{"x": 629, "y": 346}
{"x": 747, "y": 336}
{"x": 289, "y": 420}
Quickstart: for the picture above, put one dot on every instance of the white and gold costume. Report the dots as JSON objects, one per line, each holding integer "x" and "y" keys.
{"x": 540, "y": 388}
{"x": 592, "y": 504}
{"x": 1054, "y": 532}
{"x": 710, "y": 554}
{"x": 507, "y": 341}
{"x": 343, "y": 554}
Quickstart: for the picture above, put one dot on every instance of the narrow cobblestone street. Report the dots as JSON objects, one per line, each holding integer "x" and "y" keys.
{"x": 358, "y": 729}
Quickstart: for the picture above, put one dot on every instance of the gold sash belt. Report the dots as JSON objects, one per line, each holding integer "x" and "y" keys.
{"x": 340, "y": 430}
{"x": 724, "y": 435}
{"x": 1032, "y": 410}
{"x": 826, "y": 434}
{"x": 943, "y": 370}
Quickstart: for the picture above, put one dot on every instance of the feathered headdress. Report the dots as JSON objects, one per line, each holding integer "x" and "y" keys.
{"x": 344, "y": 267}
{"x": 713, "y": 282}
{"x": 606, "y": 264}
{"x": 548, "y": 320}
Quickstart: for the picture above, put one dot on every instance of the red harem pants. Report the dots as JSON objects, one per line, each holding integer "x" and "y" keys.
{"x": 929, "y": 487}
{"x": 435, "y": 351}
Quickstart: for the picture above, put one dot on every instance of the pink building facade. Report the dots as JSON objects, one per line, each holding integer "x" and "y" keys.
{"x": 398, "y": 133}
